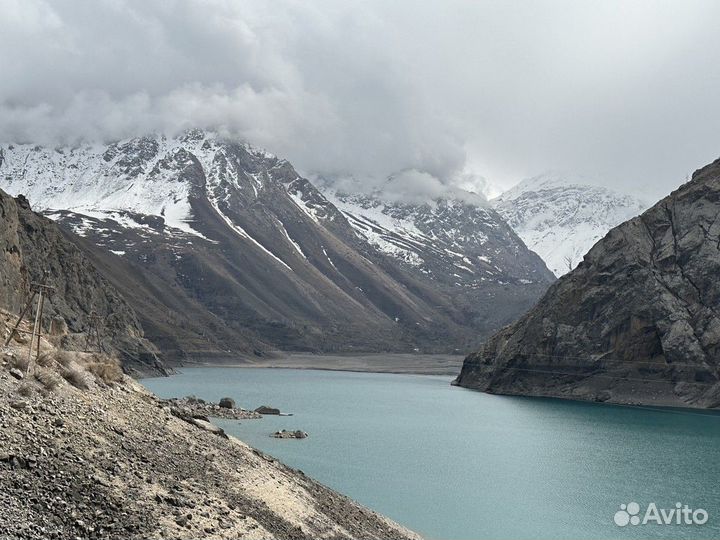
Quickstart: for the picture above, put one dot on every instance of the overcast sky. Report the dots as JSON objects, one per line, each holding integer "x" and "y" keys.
{"x": 626, "y": 91}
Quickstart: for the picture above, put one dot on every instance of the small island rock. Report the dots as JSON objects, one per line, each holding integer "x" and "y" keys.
{"x": 283, "y": 434}
{"x": 264, "y": 409}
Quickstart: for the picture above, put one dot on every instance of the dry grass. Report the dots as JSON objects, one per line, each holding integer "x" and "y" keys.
{"x": 48, "y": 378}
{"x": 20, "y": 362}
{"x": 65, "y": 358}
{"x": 45, "y": 360}
{"x": 105, "y": 369}
{"x": 75, "y": 377}
{"x": 25, "y": 390}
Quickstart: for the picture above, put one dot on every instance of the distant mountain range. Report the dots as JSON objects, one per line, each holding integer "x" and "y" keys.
{"x": 224, "y": 250}
{"x": 458, "y": 242}
{"x": 561, "y": 216}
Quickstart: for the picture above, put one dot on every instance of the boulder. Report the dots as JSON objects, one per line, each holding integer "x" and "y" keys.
{"x": 264, "y": 409}
{"x": 227, "y": 403}
{"x": 15, "y": 372}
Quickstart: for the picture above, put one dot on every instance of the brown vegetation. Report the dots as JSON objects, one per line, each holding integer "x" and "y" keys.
{"x": 48, "y": 378}
{"x": 105, "y": 369}
{"x": 75, "y": 377}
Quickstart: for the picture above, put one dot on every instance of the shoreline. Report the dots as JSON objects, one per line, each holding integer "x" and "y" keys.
{"x": 394, "y": 363}
{"x": 110, "y": 458}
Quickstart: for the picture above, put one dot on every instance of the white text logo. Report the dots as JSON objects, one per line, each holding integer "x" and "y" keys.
{"x": 682, "y": 514}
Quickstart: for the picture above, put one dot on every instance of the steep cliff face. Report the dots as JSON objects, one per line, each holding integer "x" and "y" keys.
{"x": 637, "y": 321}
{"x": 31, "y": 245}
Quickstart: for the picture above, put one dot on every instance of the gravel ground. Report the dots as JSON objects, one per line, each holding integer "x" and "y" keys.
{"x": 114, "y": 461}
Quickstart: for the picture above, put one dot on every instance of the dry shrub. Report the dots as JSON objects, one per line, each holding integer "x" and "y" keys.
{"x": 75, "y": 377}
{"x": 65, "y": 358}
{"x": 106, "y": 369}
{"x": 25, "y": 390}
{"x": 49, "y": 379}
{"x": 45, "y": 360}
{"x": 20, "y": 362}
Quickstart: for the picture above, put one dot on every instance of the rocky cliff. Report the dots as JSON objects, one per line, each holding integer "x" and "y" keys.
{"x": 32, "y": 245}
{"x": 638, "y": 321}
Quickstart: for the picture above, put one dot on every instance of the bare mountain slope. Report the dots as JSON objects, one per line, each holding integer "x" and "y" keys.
{"x": 242, "y": 244}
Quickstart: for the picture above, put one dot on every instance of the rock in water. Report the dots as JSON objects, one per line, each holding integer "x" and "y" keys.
{"x": 638, "y": 321}
{"x": 227, "y": 403}
{"x": 264, "y": 409}
{"x": 284, "y": 434}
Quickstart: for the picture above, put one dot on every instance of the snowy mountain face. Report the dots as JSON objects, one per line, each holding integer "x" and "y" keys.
{"x": 561, "y": 218}
{"x": 455, "y": 241}
{"x": 226, "y": 250}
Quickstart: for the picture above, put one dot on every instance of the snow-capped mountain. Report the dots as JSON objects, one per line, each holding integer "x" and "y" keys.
{"x": 561, "y": 216}
{"x": 225, "y": 249}
{"x": 457, "y": 240}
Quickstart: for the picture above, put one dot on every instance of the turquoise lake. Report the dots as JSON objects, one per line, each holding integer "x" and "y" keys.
{"x": 456, "y": 464}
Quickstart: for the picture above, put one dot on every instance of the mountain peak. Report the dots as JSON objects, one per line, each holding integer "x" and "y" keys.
{"x": 560, "y": 216}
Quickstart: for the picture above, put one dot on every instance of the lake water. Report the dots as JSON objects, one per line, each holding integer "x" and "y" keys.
{"x": 451, "y": 463}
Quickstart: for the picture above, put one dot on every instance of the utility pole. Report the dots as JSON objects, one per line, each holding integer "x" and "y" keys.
{"x": 42, "y": 290}
{"x": 93, "y": 332}
{"x": 24, "y": 311}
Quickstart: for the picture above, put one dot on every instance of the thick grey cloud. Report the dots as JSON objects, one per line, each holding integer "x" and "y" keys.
{"x": 453, "y": 89}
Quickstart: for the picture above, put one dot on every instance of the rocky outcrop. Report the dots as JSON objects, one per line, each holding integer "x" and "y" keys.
{"x": 284, "y": 434}
{"x": 193, "y": 407}
{"x": 264, "y": 409}
{"x": 33, "y": 249}
{"x": 638, "y": 321}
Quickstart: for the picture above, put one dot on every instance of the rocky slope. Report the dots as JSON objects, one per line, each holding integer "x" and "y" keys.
{"x": 103, "y": 458}
{"x": 561, "y": 216}
{"x": 225, "y": 250}
{"x": 33, "y": 249}
{"x": 637, "y": 321}
{"x": 458, "y": 241}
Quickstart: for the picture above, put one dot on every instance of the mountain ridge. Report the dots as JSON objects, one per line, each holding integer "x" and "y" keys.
{"x": 237, "y": 234}
{"x": 560, "y": 216}
{"x": 33, "y": 249}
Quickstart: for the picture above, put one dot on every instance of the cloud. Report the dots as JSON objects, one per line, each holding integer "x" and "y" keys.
{"x": 454, "y": 91}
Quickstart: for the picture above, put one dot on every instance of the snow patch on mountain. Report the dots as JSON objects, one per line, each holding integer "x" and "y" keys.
{"x": 101, "y": 181}
{"x": 459, "y": 240}
{"x": 561, "y": 216}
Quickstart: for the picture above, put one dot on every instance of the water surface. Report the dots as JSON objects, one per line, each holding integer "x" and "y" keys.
{"x": 454, "y": 464}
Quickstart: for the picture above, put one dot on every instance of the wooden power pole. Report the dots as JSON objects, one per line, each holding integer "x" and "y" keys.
{"x": 41, "y": 291}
